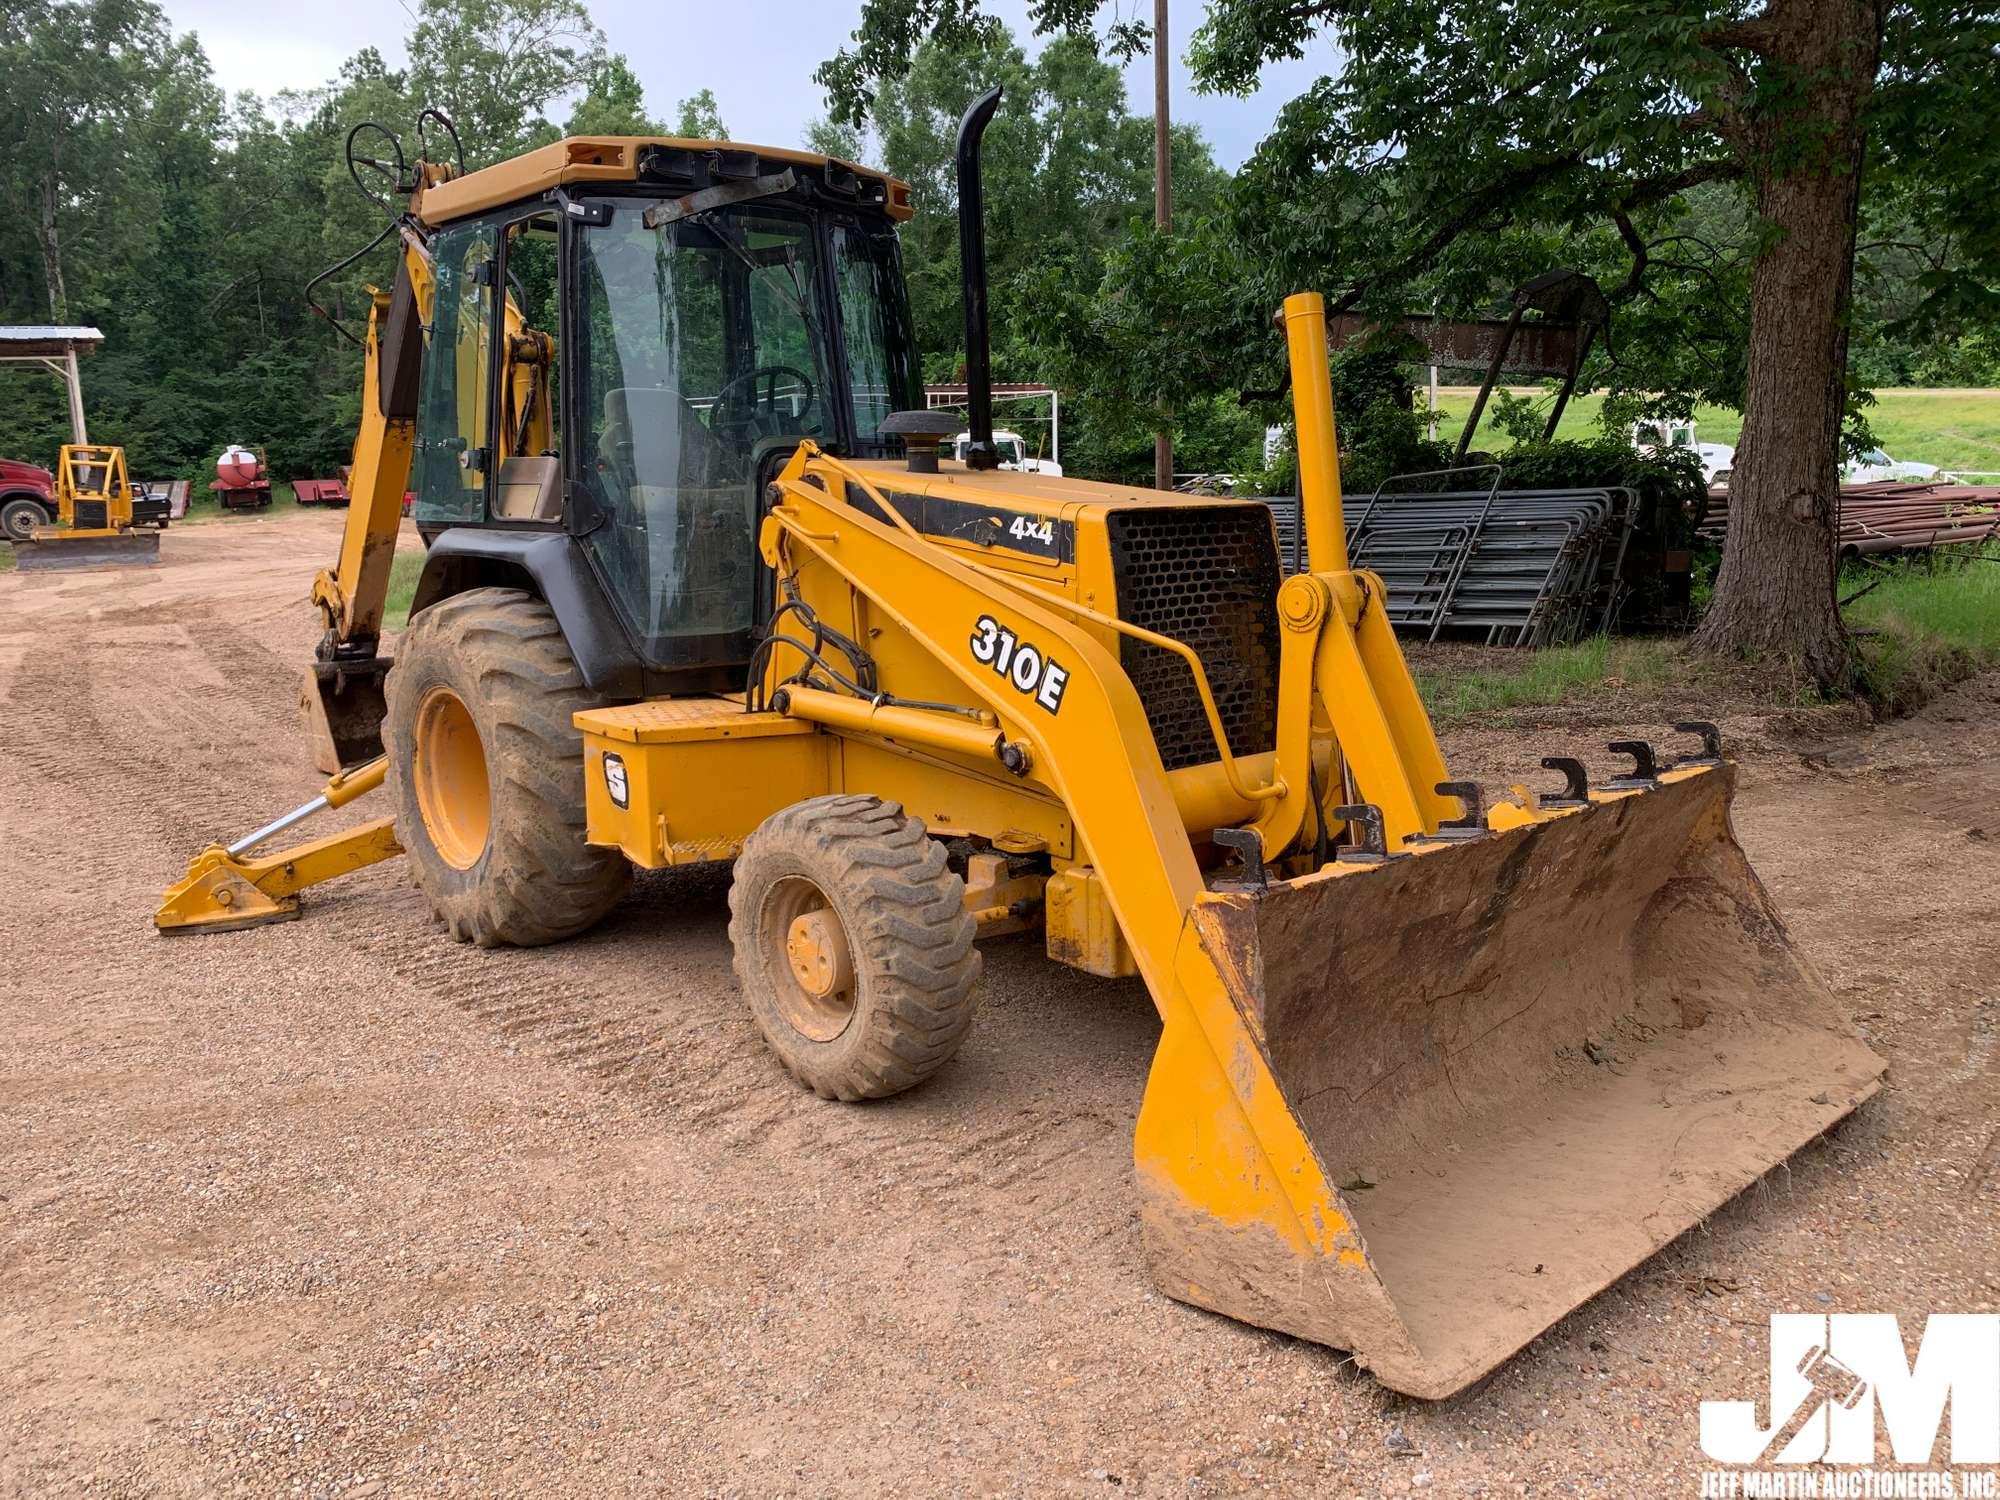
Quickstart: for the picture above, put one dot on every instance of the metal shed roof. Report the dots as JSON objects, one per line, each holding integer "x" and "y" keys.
{"x": 46, "y": 340}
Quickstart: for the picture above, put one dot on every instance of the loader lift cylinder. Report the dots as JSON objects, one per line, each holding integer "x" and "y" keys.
{"x": 1319, "y": 461}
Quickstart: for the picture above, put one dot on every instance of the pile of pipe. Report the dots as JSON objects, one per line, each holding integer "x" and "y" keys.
{"x": 1896, "y": 516}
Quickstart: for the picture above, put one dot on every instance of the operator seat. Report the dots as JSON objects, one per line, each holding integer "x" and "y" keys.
{"x": 662, "y": 425}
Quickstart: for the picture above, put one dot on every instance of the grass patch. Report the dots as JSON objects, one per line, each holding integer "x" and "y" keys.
{"x": 7, "y": 559}
{"x": 1931, "y": 620}
{"x": 1957, "y": 430}
{"x": 404, "y": 570}
{"x": 1552, "y": 675}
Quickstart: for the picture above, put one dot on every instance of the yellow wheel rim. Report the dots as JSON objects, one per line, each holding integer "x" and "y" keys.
{"x": 450, "y": 773}
{"x": 814, "y": 972}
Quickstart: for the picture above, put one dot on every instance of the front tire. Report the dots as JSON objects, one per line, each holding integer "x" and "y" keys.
{"x": 19, "y": 517}
{"x": 853, "y": 946}
{"x": 488, "y": 772}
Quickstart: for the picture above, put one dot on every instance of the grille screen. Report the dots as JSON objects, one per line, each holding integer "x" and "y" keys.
{"x": 92, "y": 515}
{"x": 1208, "y": 577}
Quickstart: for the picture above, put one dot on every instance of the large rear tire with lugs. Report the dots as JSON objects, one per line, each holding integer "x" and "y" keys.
{"x": 853, "y": 946}
{"x": 488, "y": 772}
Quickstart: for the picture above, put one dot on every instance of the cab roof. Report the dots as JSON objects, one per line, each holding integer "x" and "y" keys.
{"x": 676, "y": 163}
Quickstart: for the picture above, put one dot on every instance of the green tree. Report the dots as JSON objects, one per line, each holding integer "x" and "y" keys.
{"x": 74, "y": 78}
{"x": 614, "y": 103}
{"x": 493, "y": 66}
{"x": 700, "y": 120}
{"x": 831, "y": 139}
{"x": 1067, "y": 168}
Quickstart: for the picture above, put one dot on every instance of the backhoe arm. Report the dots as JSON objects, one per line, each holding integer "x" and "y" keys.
{"x": 343, "y": 697}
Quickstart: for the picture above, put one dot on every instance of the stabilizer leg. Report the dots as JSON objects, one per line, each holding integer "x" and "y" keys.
{"x": 224, "y": 889}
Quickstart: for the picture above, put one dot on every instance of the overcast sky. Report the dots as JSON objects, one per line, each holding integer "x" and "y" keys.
{"x": 758, "y": 56}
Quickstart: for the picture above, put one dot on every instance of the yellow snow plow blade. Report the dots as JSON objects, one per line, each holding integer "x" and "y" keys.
{"x": 1501, "y": 1072}
{"x": 55, "y": 549}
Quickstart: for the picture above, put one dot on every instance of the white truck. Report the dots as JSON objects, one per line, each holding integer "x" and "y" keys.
{"x": 1875, "y": 467}
{"x": 1013, "y": 453}
{"x": 1658, "y": 435}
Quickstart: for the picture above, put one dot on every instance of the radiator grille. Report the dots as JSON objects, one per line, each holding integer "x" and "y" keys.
{"x": 1208, "y": 577}
{"x": 91, "y": 515}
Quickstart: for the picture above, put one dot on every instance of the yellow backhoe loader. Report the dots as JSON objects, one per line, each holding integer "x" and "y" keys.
{"x": 1430, "y": 1073}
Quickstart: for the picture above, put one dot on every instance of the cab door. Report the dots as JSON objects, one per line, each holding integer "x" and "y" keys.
{"x": 454, "y": 460}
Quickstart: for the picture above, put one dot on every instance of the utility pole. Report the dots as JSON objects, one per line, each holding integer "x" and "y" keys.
{"x": 1163, "y": 206}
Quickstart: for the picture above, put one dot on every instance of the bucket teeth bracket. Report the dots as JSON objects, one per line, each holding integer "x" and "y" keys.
{"x": 1711, "y": 743}
{"x": 1248, "y": 845}
{"x": 1576, "y": 782}
{"x": 1645, "y": 772}
{"x": 1471, "y": 823}
{"x": 1371, "y": 846}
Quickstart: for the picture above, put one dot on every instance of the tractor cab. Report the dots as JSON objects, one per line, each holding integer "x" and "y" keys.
{"x": 629, "y": 354}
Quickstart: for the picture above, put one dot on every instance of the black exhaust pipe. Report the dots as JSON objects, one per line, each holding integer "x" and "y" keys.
{"x": 980, "y": 454}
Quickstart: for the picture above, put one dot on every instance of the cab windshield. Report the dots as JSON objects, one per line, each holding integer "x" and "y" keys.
{"x": 708, "y": 344}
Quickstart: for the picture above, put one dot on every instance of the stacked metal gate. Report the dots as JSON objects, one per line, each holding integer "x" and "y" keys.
{"x": 1509, "y": 567}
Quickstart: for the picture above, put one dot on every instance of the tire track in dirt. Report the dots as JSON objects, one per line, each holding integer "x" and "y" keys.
{"x": 706, "y": 1071}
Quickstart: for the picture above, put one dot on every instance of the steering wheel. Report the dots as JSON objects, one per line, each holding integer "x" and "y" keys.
{"x": 382, "y": 177}
{"x": 766, "y": 398}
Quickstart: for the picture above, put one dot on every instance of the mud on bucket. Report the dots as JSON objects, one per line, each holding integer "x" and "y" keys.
{"x": 1520, "y": 1064}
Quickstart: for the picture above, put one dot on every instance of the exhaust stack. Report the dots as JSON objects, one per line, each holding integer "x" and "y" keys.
{"x": 980, "y": 453}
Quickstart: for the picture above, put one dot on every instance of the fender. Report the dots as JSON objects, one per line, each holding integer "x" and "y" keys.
{"x": 550, "y": 565}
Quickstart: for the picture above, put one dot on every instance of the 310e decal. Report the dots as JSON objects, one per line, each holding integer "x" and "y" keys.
{"x": 1027, "y": 667}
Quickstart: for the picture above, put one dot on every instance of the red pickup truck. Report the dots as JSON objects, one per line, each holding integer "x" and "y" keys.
{"x": 27, "y": 499}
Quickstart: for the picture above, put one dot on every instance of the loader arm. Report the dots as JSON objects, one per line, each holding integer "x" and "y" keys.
{"x": 1252, "y": 1170}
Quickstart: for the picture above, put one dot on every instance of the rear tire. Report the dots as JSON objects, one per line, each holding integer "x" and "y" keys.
{"x": 892, "y": 1004}
{"x": 488, "y": 772}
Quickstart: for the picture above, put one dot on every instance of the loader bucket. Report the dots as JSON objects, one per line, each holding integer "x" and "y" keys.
{"x": 1506, "y": 1071}
{"x": 341, "y": 706}
{"x": 58, "y": 551}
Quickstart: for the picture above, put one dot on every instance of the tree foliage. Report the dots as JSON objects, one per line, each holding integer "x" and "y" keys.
{"x": 187, "y": 225}
{"x": 493, "y": 66}
{"x": 699, "y": 119}
{"x": 1068, "y": 171}
{"x": 614, "y": 103}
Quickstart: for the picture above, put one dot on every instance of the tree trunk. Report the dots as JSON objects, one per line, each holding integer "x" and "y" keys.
{"x": 1775, "y": 596}
{"x": 51, "y": 247}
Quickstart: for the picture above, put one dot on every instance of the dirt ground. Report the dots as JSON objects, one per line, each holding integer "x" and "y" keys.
{"x": 340, "y": 1208}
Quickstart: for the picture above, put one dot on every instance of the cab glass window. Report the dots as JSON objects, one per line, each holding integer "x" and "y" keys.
{"x": 881, "y": 359}
{"x": 453, "y": 453}
{"x": 704, "y": 348}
